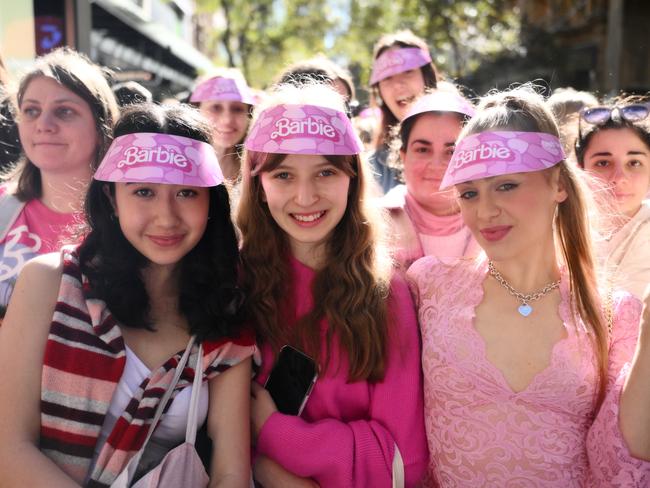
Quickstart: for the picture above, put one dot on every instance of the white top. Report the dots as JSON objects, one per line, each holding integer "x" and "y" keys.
{"x": 627, "y": 253}
{"x": 171, "y": 428}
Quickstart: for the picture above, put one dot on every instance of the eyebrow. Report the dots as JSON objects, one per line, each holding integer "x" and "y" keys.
{"x": 429, "y": 143}
{"x": 57, "y": 101}
{"x": 282, "y": 165}
{"x": 607, "y": 153}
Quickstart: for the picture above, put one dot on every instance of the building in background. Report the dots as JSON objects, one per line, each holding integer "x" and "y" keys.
{"x": 149, "y": 41}
{"x": 602, "y": 46}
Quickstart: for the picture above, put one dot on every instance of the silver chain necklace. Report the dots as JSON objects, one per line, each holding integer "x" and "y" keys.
{"x": 524, "y": 309}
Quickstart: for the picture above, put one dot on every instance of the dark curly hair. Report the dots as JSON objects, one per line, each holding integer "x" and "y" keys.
{"x": 209, "y": 297}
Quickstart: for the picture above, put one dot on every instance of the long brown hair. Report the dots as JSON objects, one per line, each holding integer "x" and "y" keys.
{"x": 350, "y": 288}
{"x": 80, "y": 75}
{"x": 401, "y": 39}
{"x": 523, "y": 109}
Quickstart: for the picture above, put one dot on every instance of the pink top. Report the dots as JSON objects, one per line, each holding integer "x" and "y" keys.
{"x": 346, "y": 434}
{"x": 481, "y": 433}
{"x": 37, "y": 230}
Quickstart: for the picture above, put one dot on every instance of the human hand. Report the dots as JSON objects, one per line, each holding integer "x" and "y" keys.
{"x": 262, "y": 407}
{"x": 270, "y": 474}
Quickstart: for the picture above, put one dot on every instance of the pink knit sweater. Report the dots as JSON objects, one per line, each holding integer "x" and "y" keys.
{"x": 346, "y": 434}
{"x": 481, "y": 432}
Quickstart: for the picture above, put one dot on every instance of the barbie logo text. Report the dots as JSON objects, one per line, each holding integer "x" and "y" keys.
{"x": 158, "y": 154}
{"x": 484, "y": 152}
{"x": 308, "y": 126}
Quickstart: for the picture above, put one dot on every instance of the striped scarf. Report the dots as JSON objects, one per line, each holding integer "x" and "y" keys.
{"x": 83, "y": 362}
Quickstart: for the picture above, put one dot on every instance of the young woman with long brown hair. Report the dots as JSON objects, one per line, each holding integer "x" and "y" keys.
{"x": 526, "y": 361}
{"x": 402, "y": 70}
{"x": 317, "y": 279}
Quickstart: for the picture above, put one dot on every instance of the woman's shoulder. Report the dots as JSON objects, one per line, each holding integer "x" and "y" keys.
{"x": 626, "y": 309}
{"x": 436, "y": 269}
{"x": 46, "y": 267}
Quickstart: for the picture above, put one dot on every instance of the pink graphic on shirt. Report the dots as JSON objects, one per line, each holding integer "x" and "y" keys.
{"x": 220, "y": 88}
{"x": 395, "y": 61}
{"x": 160, "y": 158}
{"x": 303, "y": 129}
{"x": 500, "y": 153}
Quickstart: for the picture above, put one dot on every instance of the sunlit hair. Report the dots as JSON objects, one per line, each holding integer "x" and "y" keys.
{"x": 87, "y": 80}
{"x": 400, "y": 39}
{"x": 522, "y": 109}
{"x": 320, "y": 69}
{"x": 401, "y": 133}
{"x": 640, "y": 128}
{"x": 351, "y": 286}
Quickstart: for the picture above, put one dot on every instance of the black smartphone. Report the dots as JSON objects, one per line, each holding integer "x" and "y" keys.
{"x": 291, "y": 380}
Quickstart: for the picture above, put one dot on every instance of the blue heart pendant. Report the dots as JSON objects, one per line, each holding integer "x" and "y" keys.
{"x": 525, "y": 309}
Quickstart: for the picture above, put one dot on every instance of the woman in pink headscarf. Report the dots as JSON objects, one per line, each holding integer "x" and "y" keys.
{"x": 427, "y": 221}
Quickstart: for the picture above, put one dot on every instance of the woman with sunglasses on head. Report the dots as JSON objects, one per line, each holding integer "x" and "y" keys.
{"x": 317, "y": 278}
{"x": 614, "y": 146}
{"x": 401, "y": 72}
{"x": 92, "y": 336}
{"x": 525, "y": 384}
{"x": 427, "y": 221}
{"x": 226, "y": 100}
{"x": 65, "y": 115}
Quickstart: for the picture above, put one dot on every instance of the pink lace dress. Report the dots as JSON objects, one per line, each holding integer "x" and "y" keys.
{"x": 483, "y": 434}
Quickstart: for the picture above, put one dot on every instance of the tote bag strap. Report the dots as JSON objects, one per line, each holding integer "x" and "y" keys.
{"x": 132, "y": 465}
{"x": 10, "y": 208}
{"x": 193, "y": 414}
{"x": 398, "y": 469}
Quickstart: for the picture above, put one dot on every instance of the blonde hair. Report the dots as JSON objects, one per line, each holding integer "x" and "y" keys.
{"x": 523, "y": 109}
{"x": 351, "y": 286}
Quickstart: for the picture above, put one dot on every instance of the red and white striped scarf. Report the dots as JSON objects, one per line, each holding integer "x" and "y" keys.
{"x": 84, "y": 360}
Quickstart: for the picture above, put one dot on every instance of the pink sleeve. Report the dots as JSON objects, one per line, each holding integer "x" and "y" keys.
{"x": 611, "y": 463}
{"x": 360, "y": 453}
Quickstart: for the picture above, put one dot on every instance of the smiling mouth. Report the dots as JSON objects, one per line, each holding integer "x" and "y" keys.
{"x": 166, "y": 241}
{"x": 496, "y": 233}
{"x": 308, "y": 218}
{"x": 404, "y": 101}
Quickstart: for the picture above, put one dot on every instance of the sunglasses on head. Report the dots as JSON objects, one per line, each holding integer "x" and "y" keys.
{"x": 629, "y": 113}
{"x": 634, "y": 112}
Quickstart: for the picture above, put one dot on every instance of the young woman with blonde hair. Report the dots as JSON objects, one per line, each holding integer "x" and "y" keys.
{"x": 526, "y": 360}
{"x": 317, "y": 278}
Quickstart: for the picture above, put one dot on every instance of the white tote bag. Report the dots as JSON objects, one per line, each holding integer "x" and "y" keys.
{"x": 181, "y": 467}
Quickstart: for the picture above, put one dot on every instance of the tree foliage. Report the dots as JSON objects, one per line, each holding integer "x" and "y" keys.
{"x": 263, "y": 36}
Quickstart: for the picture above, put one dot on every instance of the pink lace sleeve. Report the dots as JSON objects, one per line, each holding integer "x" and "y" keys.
{"x": 610, "y": 461}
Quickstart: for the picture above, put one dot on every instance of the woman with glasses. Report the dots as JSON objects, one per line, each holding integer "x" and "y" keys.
{"x": 527, "y": 381}
{"x": 614, "y": 145}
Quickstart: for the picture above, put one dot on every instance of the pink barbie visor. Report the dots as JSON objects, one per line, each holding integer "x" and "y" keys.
{"x": 440, "y": 101}
{"x": 160, "y": 158}
{"x": 220, "y": 88}
{"x": 303, "y": 129}
{"x": 498, "y": 153}
{"x": 395, "y": 61}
